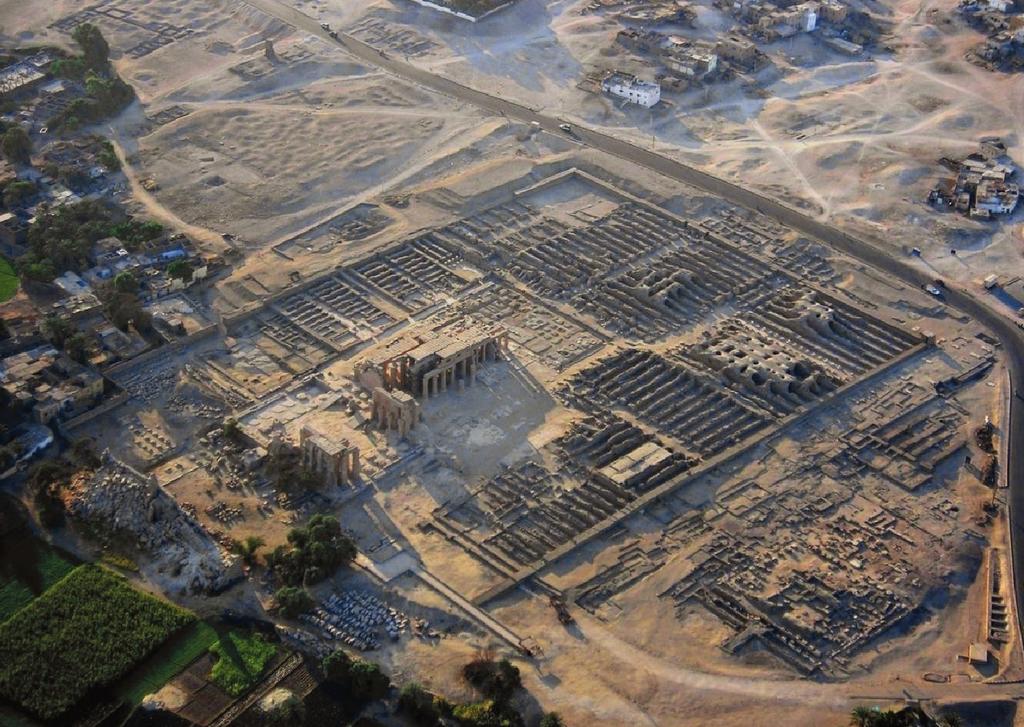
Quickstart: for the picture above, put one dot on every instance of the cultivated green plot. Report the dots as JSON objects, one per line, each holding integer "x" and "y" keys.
{"x": 8, "y": 280}
{"x": 241, "y": 659}
{"x": 87, "y": 631}
{"x": 167, "y": 662}
{"x": 38, "y": 567}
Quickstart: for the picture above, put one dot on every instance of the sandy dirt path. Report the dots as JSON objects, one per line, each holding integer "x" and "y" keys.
{"x": 157, "y": 210}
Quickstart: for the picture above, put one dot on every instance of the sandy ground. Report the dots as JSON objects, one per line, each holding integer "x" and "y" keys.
{"x": 852, "y": 140}
{"x": 271, "y": 149}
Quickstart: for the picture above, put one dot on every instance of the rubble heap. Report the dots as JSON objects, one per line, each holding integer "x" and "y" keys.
{"x": 130, "y": 503}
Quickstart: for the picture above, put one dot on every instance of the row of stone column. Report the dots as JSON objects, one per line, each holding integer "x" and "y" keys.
{"x": 464, "y": 369}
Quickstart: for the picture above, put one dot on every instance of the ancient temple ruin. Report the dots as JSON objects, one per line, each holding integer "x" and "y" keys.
{"x": 425, "y": 365}
{"x": 336, "y": 461}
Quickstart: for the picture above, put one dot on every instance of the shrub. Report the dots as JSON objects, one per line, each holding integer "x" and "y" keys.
{"x": 485, "y": 714}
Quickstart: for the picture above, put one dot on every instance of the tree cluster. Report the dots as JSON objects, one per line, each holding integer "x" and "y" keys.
{"x": 121, "y": 304}
{"x": 293, "y": 600}
{"x": 63, "y": 334}
{"x": 315, "y": 552}
{"x": 134, "y": 233}
{"x": 95, "y": 50}
{"x": 17, "y": 145}
{"x": 106, "y": 94}
{"x": 12, "y": 413}
{"x": 62, "y": 239}
{"x": 18, "y": 192}
{"x": 496, "y": 680}
{"x": 420, "y": 706}
{"x": 355, "y": 679}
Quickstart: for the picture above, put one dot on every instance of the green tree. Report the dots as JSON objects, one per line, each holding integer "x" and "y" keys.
{"x": 337, "y": 666}
{"x": 57, "y": 330}
{"x": 41, "y": 271}
{"x": 61, "y": 238}
{"x": 77, "y": 347}
{"x": 861, "y": 717}
{"x": 95, "y": 50}
{"x": 495, "y": 680}
{"x": 552, "y": 719}
{"x": 125, "y": 282}
{"x": 232, "y": 432}
{"x": 418, "y": 704}
{"x": 367, "y": 681}
{"x": 317, "y": 550}
{"x": 73, "y": 68}
{"x": 108, "y": 158}
{"x": 180, "y": 269}
{"x": 17, "y": 145}
{"x": 248, "y": 548}
{"x": 292, "y": 601}
{"x": 18, "y": 192}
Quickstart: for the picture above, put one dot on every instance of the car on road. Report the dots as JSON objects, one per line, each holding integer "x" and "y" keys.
{"x": 567, "y": 128}
{"x": 325, "y": 26}
{"x": 933, "y": 290}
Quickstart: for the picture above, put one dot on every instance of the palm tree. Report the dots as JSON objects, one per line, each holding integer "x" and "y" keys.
{"x": 247, "y": 548}
{"x": 862, "y": 717}
{"x": 950, "y": 719}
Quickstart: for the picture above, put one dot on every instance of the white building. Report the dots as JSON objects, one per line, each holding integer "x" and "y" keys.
{"x": 996, "y": 197}
{"x": 632, "y": 89}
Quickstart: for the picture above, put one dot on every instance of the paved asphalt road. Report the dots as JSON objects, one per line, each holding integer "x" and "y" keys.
{"x": 999, "y": 325}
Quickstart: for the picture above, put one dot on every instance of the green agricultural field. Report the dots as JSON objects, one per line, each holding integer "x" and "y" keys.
{"x": 167, "y": 662}
{"x": 8, "y": 280}
{"x": 37, "y": 568}
{"x": 241, "y": 659}
{"x": 87, "y": 631}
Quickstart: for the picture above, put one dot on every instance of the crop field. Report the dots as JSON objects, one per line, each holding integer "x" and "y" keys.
{"x": 18, "y": 589}
{"x": 241, "y": 659}
{"x": 171, "y": 658}
{"x": 8, "y": 280}
{"x": 87, "y": 631}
